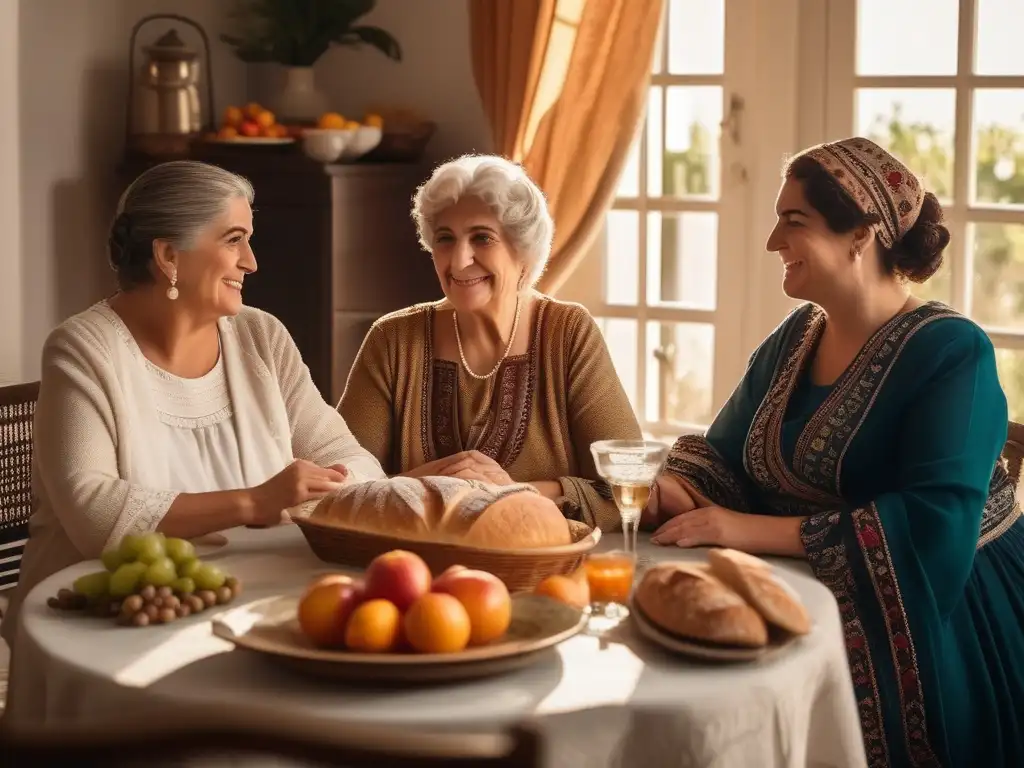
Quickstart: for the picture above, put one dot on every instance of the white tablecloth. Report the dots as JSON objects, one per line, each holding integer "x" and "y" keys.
{"x": 615, "y": 701}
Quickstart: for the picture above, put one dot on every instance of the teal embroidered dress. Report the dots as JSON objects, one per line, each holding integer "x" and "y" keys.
{"x": 911, "y": 521}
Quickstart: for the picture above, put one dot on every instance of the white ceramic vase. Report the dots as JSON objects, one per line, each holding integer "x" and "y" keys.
{"x": 299, "y": 100}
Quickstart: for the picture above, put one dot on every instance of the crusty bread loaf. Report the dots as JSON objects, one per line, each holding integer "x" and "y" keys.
{"x": 448, "y": 509}
{"x": 756, "y": 582}
{"x": 686, "y": 599}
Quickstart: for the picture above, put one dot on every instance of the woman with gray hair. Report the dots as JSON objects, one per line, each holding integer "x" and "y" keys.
{"x": 171, "y": 406}
{"x": 496, "y": 382}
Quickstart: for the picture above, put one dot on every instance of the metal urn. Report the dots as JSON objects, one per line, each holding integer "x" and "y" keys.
{"x": 165, "y": 112}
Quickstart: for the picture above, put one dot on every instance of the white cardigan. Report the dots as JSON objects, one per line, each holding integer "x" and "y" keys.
{"x": 99, "y": 471}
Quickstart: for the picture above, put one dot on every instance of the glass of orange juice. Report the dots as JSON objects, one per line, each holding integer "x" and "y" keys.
{"x": 610, "y": 578}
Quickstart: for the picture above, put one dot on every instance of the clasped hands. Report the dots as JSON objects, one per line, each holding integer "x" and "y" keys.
{"x": 467, "y": 465}
{"x": 687, "y": 519}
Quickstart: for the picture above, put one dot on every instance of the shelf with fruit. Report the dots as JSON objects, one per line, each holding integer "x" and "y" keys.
{"x": 149, "y": 579}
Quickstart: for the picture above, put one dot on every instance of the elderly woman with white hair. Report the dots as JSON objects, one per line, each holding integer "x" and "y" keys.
{"x": 171, "y": 406}
{"x": 496, "y": 382}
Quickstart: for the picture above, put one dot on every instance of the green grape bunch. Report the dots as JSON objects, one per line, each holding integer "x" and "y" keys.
{"x": 149, "y": 579}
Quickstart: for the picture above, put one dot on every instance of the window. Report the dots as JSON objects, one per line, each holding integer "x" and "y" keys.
{"x": 673, "y": 248}
{"x": 941, "y": 83}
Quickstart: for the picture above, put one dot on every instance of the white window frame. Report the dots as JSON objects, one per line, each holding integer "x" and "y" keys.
{"x": 732, "y": 207}
{"x": 841, "y": 87}
{"x": 769, "y": 44}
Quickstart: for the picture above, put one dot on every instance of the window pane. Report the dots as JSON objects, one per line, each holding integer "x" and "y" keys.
{"x": 999, "y": 146}
{"x": 682, "y": 259}
{"x": 696, "y": 37}
{"x": 622, "y": 257}
{"x": 620, "y": 334}
{"x": 654, "y": 143}
{"x": 916, "y": 125}
{"x": 1011, "y": 375}
{"x": 692, "y": 129}
{"x": 997, "y": 50}
{"x": 629, "y": 181}
{"x": 907, "y": 37}
{"x": 680, "y": 365}
{"x": 998, "y": 279}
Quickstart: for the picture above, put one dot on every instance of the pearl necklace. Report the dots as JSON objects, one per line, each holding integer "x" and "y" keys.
{"x": 508, "y": 348}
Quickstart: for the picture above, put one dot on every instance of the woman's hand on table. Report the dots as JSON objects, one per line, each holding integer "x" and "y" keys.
{"x": 669, "y": 497}
{"x": 715, "y": 526}
{"x": 706, "y": 526}
{"x": 299, "y": 482}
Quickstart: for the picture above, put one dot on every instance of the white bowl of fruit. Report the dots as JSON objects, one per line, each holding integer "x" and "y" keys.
{"x": 149, "y": 579}
{"x": 338, "y": 138}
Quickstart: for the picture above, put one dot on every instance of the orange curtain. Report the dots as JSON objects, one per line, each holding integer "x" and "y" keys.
{"x": 564, "y": 84}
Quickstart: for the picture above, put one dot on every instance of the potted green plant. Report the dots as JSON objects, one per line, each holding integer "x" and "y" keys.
{"x": 295, "y": 34}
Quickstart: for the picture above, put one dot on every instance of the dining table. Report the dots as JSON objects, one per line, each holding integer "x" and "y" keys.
{"x": 598, "y": 699}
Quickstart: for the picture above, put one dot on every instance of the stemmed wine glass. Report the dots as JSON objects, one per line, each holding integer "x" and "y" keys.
{"x": 630, "y": 467}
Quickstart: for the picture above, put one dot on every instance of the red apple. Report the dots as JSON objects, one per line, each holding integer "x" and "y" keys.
{"x": 249, "y": 128}
{"x": 324, "y": 609}
{"x": 399, "y": 576}
{"x": 485, "y": 598}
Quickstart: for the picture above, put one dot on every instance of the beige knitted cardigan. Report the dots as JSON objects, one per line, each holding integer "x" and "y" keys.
{"x": 99, "y": 474}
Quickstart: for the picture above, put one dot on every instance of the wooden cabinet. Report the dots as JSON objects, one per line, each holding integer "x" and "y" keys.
{"x": 335, "y": 248}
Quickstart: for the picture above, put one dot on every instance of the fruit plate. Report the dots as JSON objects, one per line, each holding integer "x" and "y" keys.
{"x": 253, "y": 140}
{"x": 705, "y": 651}
{"x": 520, "y": 569}
{"x": 270, "y": 627}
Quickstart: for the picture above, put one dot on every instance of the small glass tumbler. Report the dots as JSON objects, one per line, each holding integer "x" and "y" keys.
{"x": 610, "y": 578}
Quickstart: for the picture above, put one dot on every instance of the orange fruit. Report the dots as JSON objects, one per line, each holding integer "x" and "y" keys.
{"x": 374, "y": 627}
{"x": 265, "y": 119}
{"x": 325, "y": 608}
{"x": 374, "y": 120}
{"x": 352, "y": 125}
{"x": 564, "y": 589}
{"x": 228, "y": 132}
{"x": 485, "y": 598}
{"x": 252, "y": 110}
{"x": 331, "y": 120}
{"x": 437, "y": 623}
{"x": 233, "y": 116}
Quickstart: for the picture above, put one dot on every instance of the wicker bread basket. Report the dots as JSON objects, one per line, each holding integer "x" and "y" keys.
{"x": 520, "y": 569}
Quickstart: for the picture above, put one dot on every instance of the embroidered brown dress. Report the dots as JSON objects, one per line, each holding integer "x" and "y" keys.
{"x": 536, "y": 417}
{"x": 911, "y": 522}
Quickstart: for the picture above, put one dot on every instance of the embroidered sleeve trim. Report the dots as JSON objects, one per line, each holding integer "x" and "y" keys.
{"x": 695, "y": 460}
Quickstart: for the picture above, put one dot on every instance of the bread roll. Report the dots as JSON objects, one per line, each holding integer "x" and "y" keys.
{"x": 756, "y": 582}
{"x": 686, "y": 599}
{"x": 448, "y": 509}
{"x": 520, "y": 521}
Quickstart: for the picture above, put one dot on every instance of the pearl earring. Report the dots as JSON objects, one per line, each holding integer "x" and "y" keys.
{"x": 172, "y": 292}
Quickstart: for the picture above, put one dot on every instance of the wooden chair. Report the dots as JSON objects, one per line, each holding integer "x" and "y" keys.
{"x": 1013, "y": 452}
{"x": 17, "y": 411}
{"x": 214, "y": 732}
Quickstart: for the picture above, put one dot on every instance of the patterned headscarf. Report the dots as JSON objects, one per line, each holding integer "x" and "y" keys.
{"x": 878, "y": 182}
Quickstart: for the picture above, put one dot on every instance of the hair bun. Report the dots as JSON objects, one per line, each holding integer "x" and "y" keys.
{"x": 119, "y": 241}
{"x": 919, "y": 254}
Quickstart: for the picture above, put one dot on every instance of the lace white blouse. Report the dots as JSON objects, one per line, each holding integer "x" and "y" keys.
{"x": 117, "y": 439}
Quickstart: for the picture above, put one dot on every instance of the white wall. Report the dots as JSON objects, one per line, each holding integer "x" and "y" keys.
{"x": 10, "y": 200}
{"x": 70, "y": 60}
